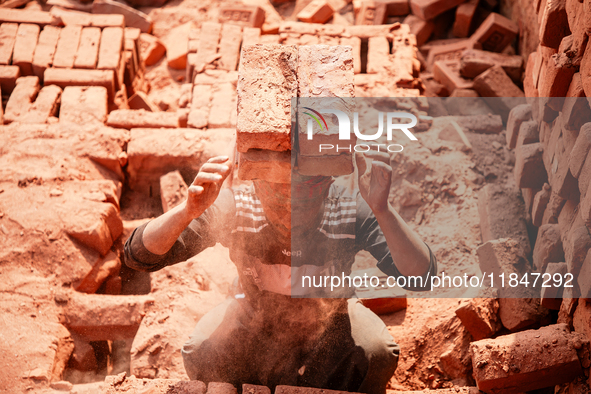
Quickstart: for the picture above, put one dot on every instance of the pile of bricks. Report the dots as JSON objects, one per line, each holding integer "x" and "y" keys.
{"x": 99, "y": 52}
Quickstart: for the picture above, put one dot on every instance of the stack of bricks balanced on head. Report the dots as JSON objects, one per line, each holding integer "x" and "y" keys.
{"x": 265, "y": 90}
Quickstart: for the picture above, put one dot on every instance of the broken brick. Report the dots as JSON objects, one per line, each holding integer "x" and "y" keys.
{"x": 540, "y": 202}
{"x": 533, "y": 359}
{"x": 24, "y": 47}
{"x": 265, "y": 165}
{"x": 317, "y": 11}
{"x": 463, "y": 20}
{"x": 103, "y": 317}
{"x": 355, "y": 43}
{"x": 528, "y": 133}
{"x": 254, "y": 389}
{"x": 208, "y": 44}
{"x": 495, "y": 33}
{"x": 173, "y": 190}
{"x": 7, "y": 39}
{"x": 104, "y": 268}
{"x": 518, "y": 115}
{"x": 371, "y": 13}
{"x": 177, "y": 45}
{"x": 529, "y": 170}
{"x": 67, "y": 46}
{"x": 242, "y": 15}
{"x": 45, "y": 105}
{"x": 451, "y": 51}
{"x": 8, "y": 77}
{"x": 22, "y": 97}
{"x": 230, "y": 47}
{"x": 82, "y": 104}
{"x": 548, "y": 247}
{"x": 555, "y": 77}
{"x": 448, "y": 74}
{"x": 421, "y": 29}
{"x": 151, "y": 49}
{"x": 221, "y": 388}
{"x": 45, "y": 49}
{"x": 554, "y": 23}
{"x": 474, "y": 62}
{"x": 140, "y": 100}
{"x": 479, "y": 316}
{"x": 505, "y": 95}
{"x": 270, "y": 86}
{"x": 87, "y": 54}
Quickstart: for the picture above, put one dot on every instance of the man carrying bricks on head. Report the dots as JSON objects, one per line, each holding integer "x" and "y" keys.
{"x": 289, "y": 223}
{"x": 267, "y": 337}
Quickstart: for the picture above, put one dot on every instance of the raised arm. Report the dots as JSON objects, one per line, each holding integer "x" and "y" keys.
{"x": 161, "y": 233}
{"x": 409, "y": 253}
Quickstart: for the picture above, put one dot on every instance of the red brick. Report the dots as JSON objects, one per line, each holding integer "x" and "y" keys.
{"x": 464, "y": 16}
{"x": 495, "y": 33}
{"x": 378, "y": 55}
{"x": 420, "y": 28}
{"x": 551, "y": 296}
{"x": 65, "y": 77}
{"x": 395, "y": 7}
{"x": 109, "y": 57}
{"x": 83, "y": 104}
{"x": 177, "y": 45}
{"x": 223, "y": 103}
{"x": 474, "y": 62}
{"x": 317, "y": 11}
{"x": 173, "y": 190}
{"x": 331, "y": 69}
{"x": 270, "y": 85}
{"x": 528, "y": 80}
{"x": 582, "y": 318}
{"x": 448, "y": 74}
{"x": 98, "y": 317}
{"x": 242, "y": 15}
{"x": 103, "y": 269}
{"x": 429, "y": 9}
{"x": 494, "y": 82}
{"x": 555, "y": 77}
{"x": 529, "y": 171}
{"x": 151, "y": 49}
{"x": 576, "y": 244}
{"x": 87, "y": 53}
{"x": 230, "y": 47}
{"x": 7, "y": 39}
{"x": 45, "y": 49}
{"x": 554, "y": 23}
{"x": 8, "y": 78}
{"x": 586, "y": 207}
{"x": 28, "y": 16}
{"x": 265, "y": 165}
{"x": 520, "y": 308}
{"x": 140, "y": 100}
{"x": 199, "y": 113}
{"x": 562, "y": 181}
{"x": 493, "y": 199}
{"x": 585, "y": 177}
{"x": 45, "y": 105}
{"x": 75, "y": 18}
{"x": 132, "y": 118}
{"x": 67, "y": 46}
{"x": 371, "y": 13}
{"x": 528, "y": 133}
{"x": 533, "y": 359}
{"x": 250, "y": 36}
{"x": 548, "y": 247}
{"x": 540, "y": 202}
{"x": 208, "y": 44}
{"x": 575, "y": 109}
{"x": 22, "y": 97}
{"x": 553, "y": 209}
{"x": 479, "y": 316}
{"x": 24, "y": 47}
{"x": 451, "y": 51}
{"x": 518, "y": 115}
{"x": 366, "y": 31}
{"x": 133, "y": 17}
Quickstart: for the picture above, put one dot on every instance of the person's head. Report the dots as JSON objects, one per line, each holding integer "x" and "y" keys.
{"x": 295, "y": 205}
